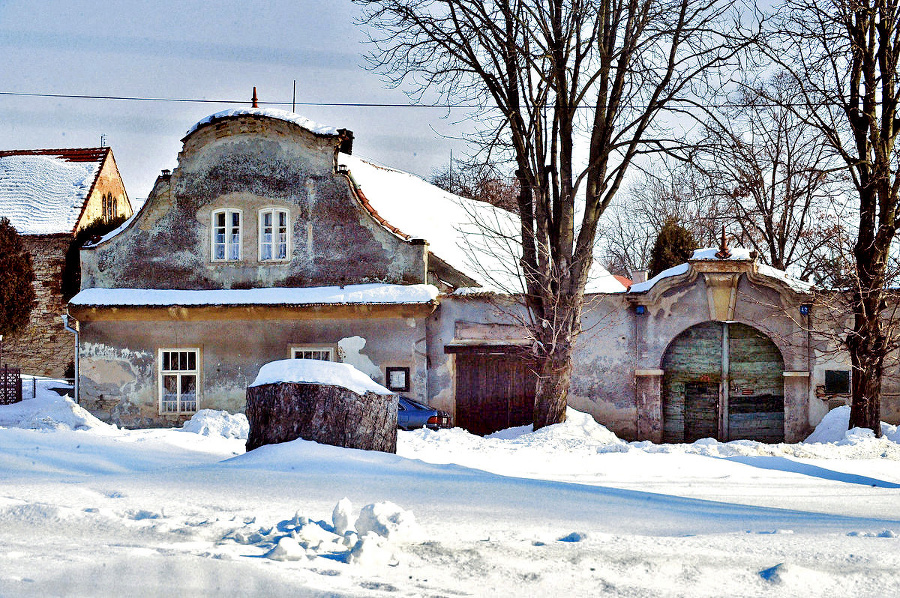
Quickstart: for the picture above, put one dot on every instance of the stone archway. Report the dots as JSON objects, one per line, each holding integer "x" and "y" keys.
{"x": 723, "y": 380}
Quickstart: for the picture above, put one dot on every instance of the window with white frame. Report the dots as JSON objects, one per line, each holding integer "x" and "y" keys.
{"x": 226, "y": 235}
{"x": 273, "y": 235}
{"x": 179, "y": 374}
{"x": 323, "y": 353}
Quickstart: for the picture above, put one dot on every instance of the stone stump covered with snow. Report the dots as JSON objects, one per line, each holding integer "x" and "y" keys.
{"x": 330, "y": 403}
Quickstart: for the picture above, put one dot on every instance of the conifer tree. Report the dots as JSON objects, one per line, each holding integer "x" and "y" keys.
{"x": 674, "y": 245}
{"x": 17, "y": 295}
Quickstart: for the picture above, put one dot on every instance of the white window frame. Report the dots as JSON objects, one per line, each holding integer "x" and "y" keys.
{"x": 228, "y": 244}
{"x": 179, "y": 373}
{"x": 294, "y": 349}
{"x": 274, "y": 212}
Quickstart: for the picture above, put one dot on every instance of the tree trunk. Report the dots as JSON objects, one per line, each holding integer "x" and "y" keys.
{"x": 552, "y": 392}
{"x": 866, "y": 345}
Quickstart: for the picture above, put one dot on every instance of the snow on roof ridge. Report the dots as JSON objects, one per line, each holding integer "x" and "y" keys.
{"x": 59, "y": 151}
{"x": 275, "y": 113}
{"x": 709, "y": 253}
{"x": 373, "y": 293}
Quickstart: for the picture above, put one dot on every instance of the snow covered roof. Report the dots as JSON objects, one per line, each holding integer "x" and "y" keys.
{"x": 709, "y": 254}
{"x": 284, "y": 115}
{"x": 314, "y": 371}
{"x": 349, "y": 294}
{"x": 454, "y": 226}
{"x": 43, "y": 192}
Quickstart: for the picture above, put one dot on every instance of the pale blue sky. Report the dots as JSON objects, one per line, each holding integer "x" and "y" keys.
{"x": 183, "y": 49}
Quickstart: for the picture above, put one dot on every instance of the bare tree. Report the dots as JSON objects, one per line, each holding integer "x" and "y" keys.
{"x": 479, "y": 181}
{"x": 673, "y": 190}
{"x": 776, "y": 175}
{"x": 842, "y": 57}
{"x": 574, "y": 89}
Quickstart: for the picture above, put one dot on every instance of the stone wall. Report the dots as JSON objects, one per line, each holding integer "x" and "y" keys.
{"x": 43, "y": 347}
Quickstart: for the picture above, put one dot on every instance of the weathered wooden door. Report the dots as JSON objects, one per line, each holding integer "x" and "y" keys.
{"x": 494, "y": 391}
{"x": 756, "y": 386}
{"x": 723, "y": 380}
{"x": 701, "y": 411}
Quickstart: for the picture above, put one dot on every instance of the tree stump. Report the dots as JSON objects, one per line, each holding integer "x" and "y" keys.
{"x": 284, "y": 411}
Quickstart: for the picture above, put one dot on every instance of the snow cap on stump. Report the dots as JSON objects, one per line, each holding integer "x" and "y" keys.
{"x": 326, "y": 402}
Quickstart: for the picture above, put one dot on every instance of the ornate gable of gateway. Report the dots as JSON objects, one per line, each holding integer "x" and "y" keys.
{"x": 255, "y": 201}
{"x": 720, "y": 273}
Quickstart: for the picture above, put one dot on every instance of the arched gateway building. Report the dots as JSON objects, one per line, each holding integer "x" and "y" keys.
{"x": 270, "y": 240}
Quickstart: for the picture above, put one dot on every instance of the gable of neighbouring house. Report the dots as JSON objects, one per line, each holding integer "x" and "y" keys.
{"x": 48, "y": 195}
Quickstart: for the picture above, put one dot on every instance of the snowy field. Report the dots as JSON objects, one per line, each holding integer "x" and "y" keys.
{"x": 87, "y": 509}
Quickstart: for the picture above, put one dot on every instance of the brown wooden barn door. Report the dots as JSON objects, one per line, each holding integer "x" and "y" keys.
{"x": 494, "y": 391}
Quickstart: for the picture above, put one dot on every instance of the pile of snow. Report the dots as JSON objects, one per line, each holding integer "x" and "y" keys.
{"x": 48, "y": 411}
{"x": 210, "y": 422}
{"x": 284, "y": 115}
{"x": 834, "y": 428}
{"x": 314, "y": 371}
{"x": 569, "y": 451}
{"x": 374, "y": 540}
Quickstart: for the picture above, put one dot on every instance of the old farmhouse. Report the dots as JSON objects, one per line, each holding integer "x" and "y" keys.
{"x": 271, "y": 240}
{"x": 49, "y": 195}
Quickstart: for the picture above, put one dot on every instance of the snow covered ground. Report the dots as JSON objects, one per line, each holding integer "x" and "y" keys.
{"x": 87, "y": 509}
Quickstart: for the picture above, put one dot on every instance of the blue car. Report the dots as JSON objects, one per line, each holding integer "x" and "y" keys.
{"x": 412, "y": 414}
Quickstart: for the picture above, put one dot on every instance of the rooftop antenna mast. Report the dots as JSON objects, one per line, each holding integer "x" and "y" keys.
{"x": 102, "y": 139}
{"x": 294, "y": 100}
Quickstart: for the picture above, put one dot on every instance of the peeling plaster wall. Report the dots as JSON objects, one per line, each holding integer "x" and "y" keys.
{"x": 121, "y": 385}
{"x": 250, "y": 163}
{"x": 603, "y": 369}
{"x": 617, "y": 342}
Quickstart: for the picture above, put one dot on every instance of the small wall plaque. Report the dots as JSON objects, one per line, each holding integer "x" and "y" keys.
{"x": 397, "y": 379}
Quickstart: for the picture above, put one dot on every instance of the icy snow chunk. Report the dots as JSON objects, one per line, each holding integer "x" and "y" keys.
{"x": 287, "y": 549}
{"x": 372, "y": 550}
{"x": 792, "y": 575}
{"x": 341, "y": 516}
{"x": 210, "y": 422}
{"x": 314, "y": 371}
{"x": 388, "y": 521}
{"x": 312, "y": 535}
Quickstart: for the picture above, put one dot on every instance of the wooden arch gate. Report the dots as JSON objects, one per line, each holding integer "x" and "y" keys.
{"x": 723, "y": 380}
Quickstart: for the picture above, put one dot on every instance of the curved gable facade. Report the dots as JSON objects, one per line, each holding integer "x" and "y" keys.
{"x": 255, "y": 201}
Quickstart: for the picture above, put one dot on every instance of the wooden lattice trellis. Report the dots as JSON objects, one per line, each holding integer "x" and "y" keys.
{"x": 10, "y": 385}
